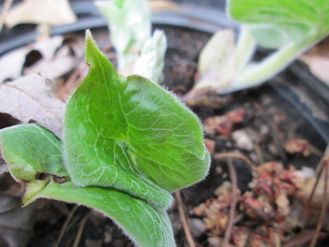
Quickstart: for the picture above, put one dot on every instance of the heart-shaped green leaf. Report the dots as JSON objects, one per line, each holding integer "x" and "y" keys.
{"x": 130, "y": 134}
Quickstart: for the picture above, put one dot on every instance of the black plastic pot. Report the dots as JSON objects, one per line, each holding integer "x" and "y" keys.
{"x": 297, "y": 86}
{"x": 296, "y": 90}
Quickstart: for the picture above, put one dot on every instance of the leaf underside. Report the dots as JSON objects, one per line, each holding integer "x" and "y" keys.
{"x": 278, "y": 22}
{"x": 147, "y": 226}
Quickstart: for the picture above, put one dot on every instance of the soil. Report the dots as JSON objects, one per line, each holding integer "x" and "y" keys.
{"x": 268, "y": 122}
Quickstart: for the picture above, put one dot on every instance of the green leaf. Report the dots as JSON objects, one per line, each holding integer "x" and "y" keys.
{"x": 131, "y": 135}
{"x": 278, "y": 22}
{"x": 147, "y": 226}
{"x": 29, "y": 150}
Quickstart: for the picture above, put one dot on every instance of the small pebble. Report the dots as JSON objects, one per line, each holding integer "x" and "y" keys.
{"x": 93, "y": 243}
{"x": 264, "y": 130}
{"x": 197, "y": 227}
{"x": 242, "y": 140}
{"x": 219, "y": 169}
{"x": 214, "y": 241}
{"x": 174, "y": 218}
{"x": 118, "y": 243}
{"x": 107, "y": 236}
{"x": 273, "y": 149}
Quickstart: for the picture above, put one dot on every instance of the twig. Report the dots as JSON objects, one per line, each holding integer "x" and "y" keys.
{"x": 64, "y": 227}
{"x": 324, "y": 162}
{"x": 205, "y": 97}
{"x": 234, "y": 181}
{"x": 234, "y": 155}
{"x": 277, "y": 135}
{"x": 80, "y": 231}
{"x": 71, "y": 82}
{"x": 183, "y": 220}
{"x": 6, "y": 6}
{"x": 323, "y": 206}
{"x": 310, "y": 198}
{"x": 259, "y": 154}
{"x": 300, "y": 240}
{"x": 163, "y": 6}
{"x": 278, "y": 139}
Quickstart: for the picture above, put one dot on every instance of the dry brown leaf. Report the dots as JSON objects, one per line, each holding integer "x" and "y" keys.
{"x": 62, "y": 63}
{"x": 317, "y": 59}
{"x": 210, "y": 145}
{"x": 30, "y": 99}
{"x": 224, "y": 124}
{"x": 305, "y": 192}
{"x": 50, "y": 12}
{"x": 4, "y": 11}
{"x": 11, "y": 64}
{"x": 298, "y": 146}
{"x": 163, "y": 6}
{"x": 319, "y": 66}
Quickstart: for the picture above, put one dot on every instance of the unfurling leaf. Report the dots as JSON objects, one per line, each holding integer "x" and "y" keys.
{"x": 150, "y": 63}
{"x": 217, "y": 61}
{"x": 130, "y": 25}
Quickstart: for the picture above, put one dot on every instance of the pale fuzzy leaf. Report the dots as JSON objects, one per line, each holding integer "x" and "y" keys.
{"x": 30, "y": 98}
{"x": 51, "y": 12}
{"x": 150, "y": 63}
{"x": 11, "y": 64}
{"x": 130, "y": 26}
{"x": 145, "y": 225}
{"x": 215, "y": 53}
{"x": 217, "y": 61}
